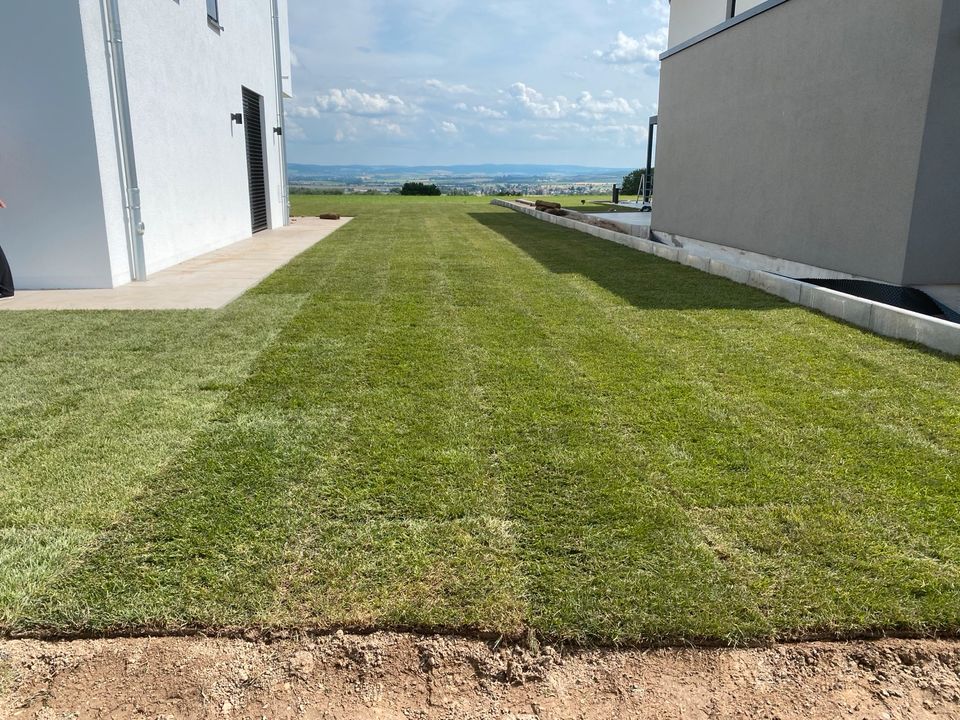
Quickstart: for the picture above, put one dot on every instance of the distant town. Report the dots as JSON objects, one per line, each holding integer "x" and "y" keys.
{"x": 456, "y": 179}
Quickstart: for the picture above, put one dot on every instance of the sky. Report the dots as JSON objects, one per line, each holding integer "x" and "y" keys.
{"x": 421, "y": 82}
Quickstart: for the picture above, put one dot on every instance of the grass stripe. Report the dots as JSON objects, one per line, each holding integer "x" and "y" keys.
{"x": 470, "y": 419}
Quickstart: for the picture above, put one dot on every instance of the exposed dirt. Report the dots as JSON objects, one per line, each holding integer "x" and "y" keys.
{"x": 389, "y": 675}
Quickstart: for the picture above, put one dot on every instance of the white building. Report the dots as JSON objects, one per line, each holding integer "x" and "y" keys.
{"x": 136, "y": 134}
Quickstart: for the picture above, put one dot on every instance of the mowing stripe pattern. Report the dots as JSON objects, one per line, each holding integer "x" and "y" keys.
{"x": 457, "y": 417}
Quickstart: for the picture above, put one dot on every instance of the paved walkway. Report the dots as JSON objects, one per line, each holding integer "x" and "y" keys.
{"x": 207, "y": 281}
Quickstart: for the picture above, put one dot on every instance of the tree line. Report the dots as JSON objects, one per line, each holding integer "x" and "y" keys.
{"x": 419, "y": 188}
{"x": 632, "y": 180}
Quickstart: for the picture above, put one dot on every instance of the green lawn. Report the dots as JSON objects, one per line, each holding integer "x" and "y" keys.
{"x": 449, "y": 415}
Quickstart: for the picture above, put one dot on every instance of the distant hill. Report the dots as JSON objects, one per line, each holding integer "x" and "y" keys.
{"x": 298, "y": 171}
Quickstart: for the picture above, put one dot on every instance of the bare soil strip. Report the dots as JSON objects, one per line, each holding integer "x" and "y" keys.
{"x": 391, "y": 675}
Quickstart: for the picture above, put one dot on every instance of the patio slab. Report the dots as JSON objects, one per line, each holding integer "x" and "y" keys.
{"x": 207, "y": 281}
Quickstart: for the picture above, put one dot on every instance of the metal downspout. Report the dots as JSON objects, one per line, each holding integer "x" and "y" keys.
{"x": 281, "y": 123}
{"x": 131, "y": 186}
{"x": 647, "y": 182}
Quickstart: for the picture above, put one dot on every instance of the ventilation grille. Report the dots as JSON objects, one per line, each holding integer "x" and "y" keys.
{"x": 256, "y": 174}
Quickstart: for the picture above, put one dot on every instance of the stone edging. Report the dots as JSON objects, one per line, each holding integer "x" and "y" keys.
{"x": 879, "y": 318}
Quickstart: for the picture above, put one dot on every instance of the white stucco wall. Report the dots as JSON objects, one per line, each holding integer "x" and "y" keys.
{"x": 53, "y": 231}
{"x": 744, "y": 5}
{"x": 691, "y": 17}
{"x": 184, "y": 78}
{"x": 285, "y": 58}
{"x": 106, "y": 133}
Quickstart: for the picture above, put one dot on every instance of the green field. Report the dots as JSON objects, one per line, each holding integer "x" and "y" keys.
{"x": 448, "y": 415}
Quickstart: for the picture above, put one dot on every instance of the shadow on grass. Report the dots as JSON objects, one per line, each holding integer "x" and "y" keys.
{"x": 645, "y": 281}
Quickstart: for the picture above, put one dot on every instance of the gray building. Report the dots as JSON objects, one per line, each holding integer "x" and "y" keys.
{"x": 821, "y": 134}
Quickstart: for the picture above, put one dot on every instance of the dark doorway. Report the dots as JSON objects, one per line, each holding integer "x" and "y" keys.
{"x": 256, "y": 167}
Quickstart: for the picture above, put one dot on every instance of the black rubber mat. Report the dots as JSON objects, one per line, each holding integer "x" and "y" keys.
{"x": 906, "y": 298}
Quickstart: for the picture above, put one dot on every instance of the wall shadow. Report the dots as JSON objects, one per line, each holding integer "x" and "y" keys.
{"x": 645, "y": 281}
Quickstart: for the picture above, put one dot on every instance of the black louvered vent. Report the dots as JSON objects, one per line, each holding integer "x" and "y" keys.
{"x": 253, "y": 128}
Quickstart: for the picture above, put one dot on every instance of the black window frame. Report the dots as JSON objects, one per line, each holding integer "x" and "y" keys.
{"x": 213, "y": 11}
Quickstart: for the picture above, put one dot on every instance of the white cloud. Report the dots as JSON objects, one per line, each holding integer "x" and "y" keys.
{"x": 346, "y": 131}
{"x": 481, "y": 111}
{"x": 637, "y": 131}
{"x": 486, "y": 112}
{"x": 447, "y": 88}
{"x": 597, "y": 108}
{"x": 387, "y": 127}
{"x": 660, "y": 9}
{"x": 618, "y": 133}
{"x": 627, "y": 50}
{"x": 536, "y": 104}
{"x": 587, "y": 106}
{"x": 407, "y": 67}
{"x": 305, "y": 112}
{"x": 356, "y": 102}
{"x": 293, "y": 130}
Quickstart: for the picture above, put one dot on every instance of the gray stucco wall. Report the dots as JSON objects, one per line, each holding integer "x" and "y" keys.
{"x": 933, "y": 252}
{"x": 798, "y": 133}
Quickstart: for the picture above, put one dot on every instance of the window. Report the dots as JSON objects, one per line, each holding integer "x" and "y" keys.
{"x": 731, "y": 7}
{"x": 213, "y": 12}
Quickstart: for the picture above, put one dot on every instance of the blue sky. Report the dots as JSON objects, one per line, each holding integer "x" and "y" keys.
{"x": 450, "y": 81}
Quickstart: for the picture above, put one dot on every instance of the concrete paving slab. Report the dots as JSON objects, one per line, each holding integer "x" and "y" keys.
{"x": 207, "y": 281}
{"x": 625, "y": 218}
